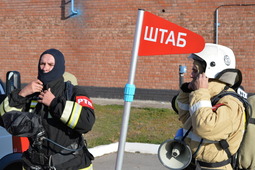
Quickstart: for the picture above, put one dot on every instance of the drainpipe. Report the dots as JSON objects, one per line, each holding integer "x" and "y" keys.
{"x": 72, "y": 8}
{"x": 182, "y": 70}
{"x": 217, "y": 24}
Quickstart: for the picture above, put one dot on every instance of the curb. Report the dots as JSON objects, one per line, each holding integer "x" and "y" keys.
{"x": 135, "y": 103}
{"x": 129, "y": 147}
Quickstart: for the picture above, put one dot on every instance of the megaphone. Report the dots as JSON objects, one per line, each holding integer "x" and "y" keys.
{"x": 174, "y": 154}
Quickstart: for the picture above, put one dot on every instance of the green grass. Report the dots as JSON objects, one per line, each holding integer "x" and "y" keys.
{"x": 146, "y": 125}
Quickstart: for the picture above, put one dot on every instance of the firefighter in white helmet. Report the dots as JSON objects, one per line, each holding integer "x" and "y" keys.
{"x": 206, "y": 126}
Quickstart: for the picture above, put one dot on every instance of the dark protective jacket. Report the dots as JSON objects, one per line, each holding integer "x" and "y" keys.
{"x": 64, "y": 122}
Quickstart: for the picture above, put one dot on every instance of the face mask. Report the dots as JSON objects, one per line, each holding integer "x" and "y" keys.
{"x": 57, "y": 71}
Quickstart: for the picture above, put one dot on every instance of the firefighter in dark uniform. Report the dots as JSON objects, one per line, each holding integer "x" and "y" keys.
{"x": 58, "y": 144}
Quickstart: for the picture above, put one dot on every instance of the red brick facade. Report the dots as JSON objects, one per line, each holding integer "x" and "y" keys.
{"x": 97, "y": 43}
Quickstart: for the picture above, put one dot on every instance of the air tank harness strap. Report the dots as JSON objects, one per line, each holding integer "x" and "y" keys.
{"x": 66, "y": 154}
{"x": 224, "y": 145}
{"x": 212, "y": 165}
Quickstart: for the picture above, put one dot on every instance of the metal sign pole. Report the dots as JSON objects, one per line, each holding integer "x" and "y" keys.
{"x": 129, "y": 91}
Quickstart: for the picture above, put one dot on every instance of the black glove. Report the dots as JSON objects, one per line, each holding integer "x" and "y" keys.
{"x": 185, "y": 88}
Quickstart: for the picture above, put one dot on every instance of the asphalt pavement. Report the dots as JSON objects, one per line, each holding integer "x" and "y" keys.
{"x": 131, "y": 161}
{"x": 137, "y": 156}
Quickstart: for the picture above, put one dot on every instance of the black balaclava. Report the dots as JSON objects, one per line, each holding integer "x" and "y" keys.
{"x": 58, "y": 69}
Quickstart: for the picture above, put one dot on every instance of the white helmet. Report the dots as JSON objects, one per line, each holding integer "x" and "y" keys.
{"x": 217, "y": 58}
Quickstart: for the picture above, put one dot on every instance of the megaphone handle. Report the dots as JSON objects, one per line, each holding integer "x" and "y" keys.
{"x": 186, "y": 134}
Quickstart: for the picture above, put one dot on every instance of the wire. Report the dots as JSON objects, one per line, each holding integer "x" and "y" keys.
{"x": 72, "y": 150}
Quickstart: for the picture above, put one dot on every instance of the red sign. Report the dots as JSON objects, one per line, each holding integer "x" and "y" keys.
{"x": 159, "y": 37}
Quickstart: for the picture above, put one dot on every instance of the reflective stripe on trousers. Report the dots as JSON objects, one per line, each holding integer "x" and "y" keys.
{"x": 88, "y": 168}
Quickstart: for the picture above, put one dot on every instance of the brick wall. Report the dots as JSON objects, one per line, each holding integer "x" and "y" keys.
{"x": 97, "y": 43}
